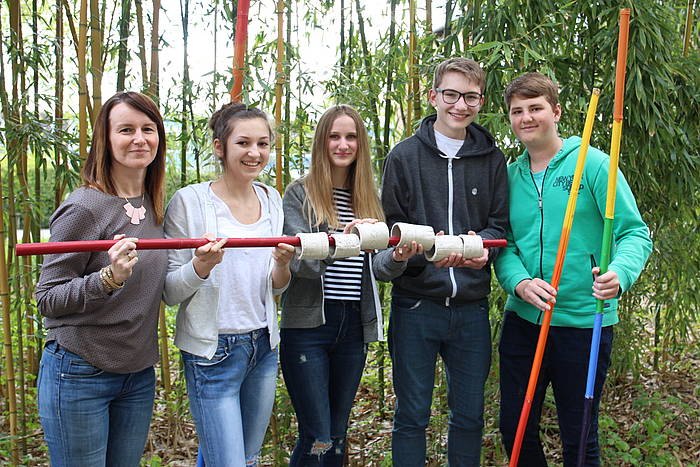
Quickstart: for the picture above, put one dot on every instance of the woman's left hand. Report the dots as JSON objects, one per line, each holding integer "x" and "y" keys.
{"x": 283, "y": 254}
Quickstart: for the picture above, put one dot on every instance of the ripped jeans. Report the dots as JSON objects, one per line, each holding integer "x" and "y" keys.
{"x": 322, "y": 367}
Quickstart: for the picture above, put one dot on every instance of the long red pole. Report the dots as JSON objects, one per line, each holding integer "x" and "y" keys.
{"x": 240, "y": 46}
{"x": 46, "y": 248}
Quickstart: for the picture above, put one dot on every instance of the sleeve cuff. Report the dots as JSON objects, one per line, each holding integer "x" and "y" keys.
{"x": 190, "y": 276}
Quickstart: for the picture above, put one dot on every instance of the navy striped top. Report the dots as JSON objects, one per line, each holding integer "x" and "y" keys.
{"x": 343, "y": 278}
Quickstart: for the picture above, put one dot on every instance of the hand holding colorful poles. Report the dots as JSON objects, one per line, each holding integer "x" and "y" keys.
{"x": 607, "y": 226}
{"x": 556, "y": 276}
{"x": 45, "y": 248}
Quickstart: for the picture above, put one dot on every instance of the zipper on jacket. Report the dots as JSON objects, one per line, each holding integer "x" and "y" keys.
{"x": 450, "y": 201}
{"x": 539, "y": 205}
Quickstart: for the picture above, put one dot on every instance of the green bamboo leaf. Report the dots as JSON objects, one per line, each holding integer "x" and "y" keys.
{"x": 486, "y": 46}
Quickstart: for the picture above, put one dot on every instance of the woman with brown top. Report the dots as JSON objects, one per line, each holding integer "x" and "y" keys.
{"x": 96, "y": 380}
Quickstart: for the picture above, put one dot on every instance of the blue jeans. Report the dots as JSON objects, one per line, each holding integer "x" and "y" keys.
{"x": 565, "y": 365}
{"x": 322, "y": 368}
{"x": 419, "y": 330}
{"x": 231, "y": 397}
{"x": 92, "y": 417}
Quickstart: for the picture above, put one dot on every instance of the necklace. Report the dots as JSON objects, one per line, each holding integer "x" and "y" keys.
{"x": 135, "y": 214}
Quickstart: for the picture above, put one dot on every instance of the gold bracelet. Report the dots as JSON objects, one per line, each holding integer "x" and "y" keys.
{"x": 108, "y": 279}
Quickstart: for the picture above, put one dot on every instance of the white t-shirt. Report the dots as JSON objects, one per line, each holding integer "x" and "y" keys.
{"x": 243, "y": 270}
{"x": 449, "y": 146}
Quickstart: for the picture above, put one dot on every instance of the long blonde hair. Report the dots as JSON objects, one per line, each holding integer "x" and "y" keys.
{"x": 318, "y": 183}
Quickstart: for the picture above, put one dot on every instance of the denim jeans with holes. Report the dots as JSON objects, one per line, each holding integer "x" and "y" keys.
{"x": 322, "y": 368}
{"x": 419, "y": 331}
{"x": 92, "y": 417}
{"x": 231, "y": 397}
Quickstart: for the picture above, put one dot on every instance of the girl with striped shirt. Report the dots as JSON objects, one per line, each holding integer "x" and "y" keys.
{"x": 331, "y": 309}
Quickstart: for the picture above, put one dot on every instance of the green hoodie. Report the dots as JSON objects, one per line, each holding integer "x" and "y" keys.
{"x": 535, "y": 228}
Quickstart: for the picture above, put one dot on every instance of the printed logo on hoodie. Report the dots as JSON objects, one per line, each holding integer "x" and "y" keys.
{"x": 565, "y": 182}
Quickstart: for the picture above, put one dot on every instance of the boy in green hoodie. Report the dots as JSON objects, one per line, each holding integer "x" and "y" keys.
{"x": 540, "y": 181}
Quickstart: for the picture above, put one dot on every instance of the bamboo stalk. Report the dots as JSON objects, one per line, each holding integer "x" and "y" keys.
{"x": 428, "y": 16}
{"x": 287, "y": 99}
{"x": 412, "y": 92}
{"x": 368, "y": 71}
{"x": 74, "y": 35}
{"x": 417, "y": 96}
{"x": 688, "y": 27}
{"x": 4, "y": 283}
{"x": 389, "y": 80}
{"x": 82, "y": 81}
{"x": 342, "y": 37}
{"x": 215, "y": 73}
{"x": 165, "y": 366}
{"x": 154, "y": 81}
{"x": 59, "y": 181}
{"x": 17, "y": 156}
{"x": 142, "y": 44}
{"x": 123, "y": 58}
{"x": 96, "y": 58}
{"x": 279, "y": 86}
{"x": 184, "y": 135}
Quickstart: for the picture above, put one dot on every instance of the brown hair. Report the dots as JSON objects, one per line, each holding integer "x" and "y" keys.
{"x": 531, "y": 85}
{"x": 97, "y": 170}
{"x": 318, "y": 183}
{"x": 222, "y": 122}
{"x": 468, "y": 67}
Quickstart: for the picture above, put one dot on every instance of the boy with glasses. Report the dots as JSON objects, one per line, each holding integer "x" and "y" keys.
{"x": 449, "y": 175}
{"x": 540, "y": 180}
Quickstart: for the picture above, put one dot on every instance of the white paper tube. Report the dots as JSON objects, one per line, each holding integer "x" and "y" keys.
{"x": 421, "y": 234}
{"x": 314, "y": 245}
{"x": 372, "y": 236}
{"x": 473, "y": 246}
{"x": 346, "y": 245}
{"x": 444, "y": 246}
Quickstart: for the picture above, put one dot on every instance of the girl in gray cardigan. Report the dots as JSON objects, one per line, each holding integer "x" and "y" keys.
{"x": 227, "y": 321}
{"x": 331, "y": 310}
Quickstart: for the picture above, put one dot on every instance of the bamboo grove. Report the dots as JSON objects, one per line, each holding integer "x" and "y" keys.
{"x": 60, "y": 58}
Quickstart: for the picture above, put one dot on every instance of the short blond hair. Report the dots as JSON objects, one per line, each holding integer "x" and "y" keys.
{"x": 468, "y": 67}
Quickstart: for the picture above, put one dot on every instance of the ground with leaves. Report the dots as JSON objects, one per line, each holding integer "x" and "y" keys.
{"x": 650, "y": 421}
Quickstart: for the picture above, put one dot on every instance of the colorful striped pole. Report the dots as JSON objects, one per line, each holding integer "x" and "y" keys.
{"x": 607, "y": 226}
{"x": 556, "y": 276}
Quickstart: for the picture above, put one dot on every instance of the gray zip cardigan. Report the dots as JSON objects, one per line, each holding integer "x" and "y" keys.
{"x": 190, "y": 214}
{"x": 302, "y": 302}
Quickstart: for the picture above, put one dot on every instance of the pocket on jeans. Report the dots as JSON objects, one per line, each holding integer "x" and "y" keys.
{"x": 80, "y": 369}
{"x": 406, "y": 303}
{"x": 217, "y": 358}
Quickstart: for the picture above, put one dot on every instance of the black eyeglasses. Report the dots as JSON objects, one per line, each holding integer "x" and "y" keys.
{"x": 450, "y": 96}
